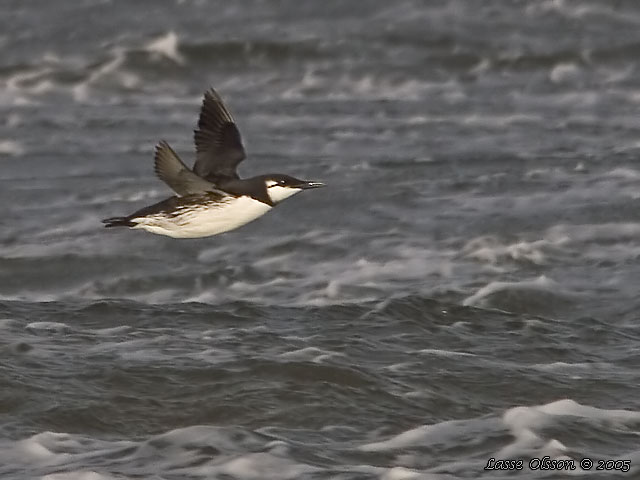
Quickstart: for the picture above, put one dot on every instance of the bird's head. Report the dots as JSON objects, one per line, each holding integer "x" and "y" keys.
{"x": 280, "y": 187}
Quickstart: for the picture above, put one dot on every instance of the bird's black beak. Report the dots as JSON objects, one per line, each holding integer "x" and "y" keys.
{"x": 307, "y": 185}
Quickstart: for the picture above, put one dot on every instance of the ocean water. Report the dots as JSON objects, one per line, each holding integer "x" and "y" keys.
{"x": 465, "y": 288}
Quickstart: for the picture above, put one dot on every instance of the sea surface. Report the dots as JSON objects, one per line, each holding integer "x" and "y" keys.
{"x": 465, "y": 288}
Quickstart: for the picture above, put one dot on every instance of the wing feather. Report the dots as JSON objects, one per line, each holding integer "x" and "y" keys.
{"x": 219, "y": 147}
{"x": 171, "y": 170}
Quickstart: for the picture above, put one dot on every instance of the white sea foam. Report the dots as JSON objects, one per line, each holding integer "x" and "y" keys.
{"x": 497, "y": 121}
{"x": 58, "y": 455}
{"x": 573, "y": 408}
{"x": 579, "y": 10}
{"x": 110, "y": 68}
{"x": 567, "y": 72}
{"x": 444, "y": 353}
{"x": 525, "y": 424}
{"x": 490, "y": 249}
{"x": 605, "y": 242}
{"x": 80, "y": 475}
{"x": 350, "y": 86}
{"x": 215, "y": 356}
{"x": 448, "y": 432}
{"x": 401, "y": 473}
{"x": 166, "y": 46}
{"x": 624, "y": 173}
{"x": 54, "y": 327}
{"x": 258, "y": 466}
{"x": 541, "y": 285}
{"x": 575, "y": 370}
{"x": 11, "y": 148}
{"x": 594, "y": 233}
{"x": 33, "y": 448}
{"x": 109, "y": 331}
{"x": 34, "y": 81}
{"x": 311, "y": 354}
{"x": 201, "y": 451}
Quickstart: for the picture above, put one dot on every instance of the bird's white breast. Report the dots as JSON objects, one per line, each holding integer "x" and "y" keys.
{"x": 204, "y": 220}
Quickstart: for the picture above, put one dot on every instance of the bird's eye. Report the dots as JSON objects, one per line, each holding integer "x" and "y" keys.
{"x": 281, "y": 182}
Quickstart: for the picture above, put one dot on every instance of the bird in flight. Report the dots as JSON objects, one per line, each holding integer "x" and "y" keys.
{"x": 211, "y": 198}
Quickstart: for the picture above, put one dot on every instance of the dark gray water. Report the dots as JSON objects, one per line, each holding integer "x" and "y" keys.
{"x": 465, "y": 288}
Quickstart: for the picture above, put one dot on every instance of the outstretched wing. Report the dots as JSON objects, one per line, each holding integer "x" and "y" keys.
{"x": 219, "y": 147}
{"x": 176, "y": 174}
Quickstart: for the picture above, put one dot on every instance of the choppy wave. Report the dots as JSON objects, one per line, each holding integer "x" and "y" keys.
{"x": 316, "y": 65}
{"x": 210, "y": 452}
{"x": 202, "y": 392}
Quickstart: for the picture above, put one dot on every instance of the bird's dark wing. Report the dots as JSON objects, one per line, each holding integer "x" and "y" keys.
{"x": 176, "y": 174}
{"x": 219, "y": 147}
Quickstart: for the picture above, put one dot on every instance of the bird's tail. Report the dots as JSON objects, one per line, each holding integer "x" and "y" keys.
{"x": 118, "y": 222}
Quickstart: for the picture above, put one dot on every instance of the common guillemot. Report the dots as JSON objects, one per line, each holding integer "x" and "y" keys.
{"x": 211, "y": 198}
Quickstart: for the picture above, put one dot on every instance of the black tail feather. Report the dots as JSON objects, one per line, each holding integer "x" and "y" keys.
{"x": 118, "y": 222}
